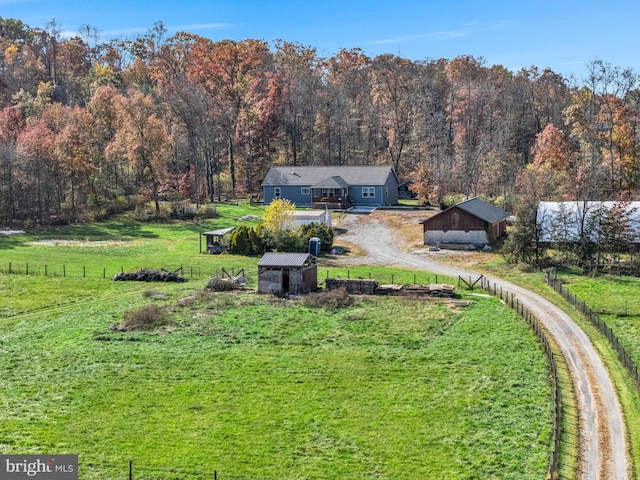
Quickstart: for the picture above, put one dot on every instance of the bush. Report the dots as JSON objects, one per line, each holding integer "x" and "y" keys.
{"x": 218, "y": 284}
{"x": 329, "y": 299}
{"x": 320, "y": 230}
{"x": 207, "y": 211}
{"x": 145, "y": 318}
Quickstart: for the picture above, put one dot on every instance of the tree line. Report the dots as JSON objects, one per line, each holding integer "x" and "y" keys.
{"x": 89, "y": 128}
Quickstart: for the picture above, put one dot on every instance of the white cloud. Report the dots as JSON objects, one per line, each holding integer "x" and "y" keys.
{"x": 444, "y": 35}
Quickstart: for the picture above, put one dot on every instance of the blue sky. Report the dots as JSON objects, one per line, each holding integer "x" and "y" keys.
{"x": 563, "y": 35}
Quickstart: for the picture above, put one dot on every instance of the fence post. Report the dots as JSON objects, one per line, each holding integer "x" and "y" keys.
{"x": 84, "y": 271}
{"x": 27, "y": 268}
{"x": 64, "y": 270}
{"x": 45, "y": 270}
{"x": 130, "y": 469}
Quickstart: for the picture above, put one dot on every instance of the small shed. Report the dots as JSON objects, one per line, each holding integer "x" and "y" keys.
{"x": 214, "y": 239}
{"x": 287, "y": 273}
{"x": 473, "y": 222}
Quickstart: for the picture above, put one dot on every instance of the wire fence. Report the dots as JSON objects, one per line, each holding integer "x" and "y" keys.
{"x": 108, "y": 273}
{"x": 600, "y": 324}
{"x": 199, "y": 272}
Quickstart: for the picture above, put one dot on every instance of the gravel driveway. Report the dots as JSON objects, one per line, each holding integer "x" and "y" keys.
{"x": 603, "y": 443}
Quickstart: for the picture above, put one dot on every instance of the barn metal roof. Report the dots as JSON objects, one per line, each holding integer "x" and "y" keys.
{"x": 483, "y": 210}
{"x": 306, "y": 176}
{"x": 285, "y": 259}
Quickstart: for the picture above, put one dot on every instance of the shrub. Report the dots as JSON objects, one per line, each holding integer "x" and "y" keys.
{"x": 144, "y": 318}
{"x": 320, "y": 230}
{"x": 329, "y": 299}
{"x": 218, "y": 284}
{"x": 207, "y": 211}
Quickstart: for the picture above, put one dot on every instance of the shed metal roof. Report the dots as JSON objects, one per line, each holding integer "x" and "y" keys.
{"x": 483, "y": 210}
{"x": 306, "y": 176}
{"x": 221, "y": 232}
{"x": 285, "y": 259}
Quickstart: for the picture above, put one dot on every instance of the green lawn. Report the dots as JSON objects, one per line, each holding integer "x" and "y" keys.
{"x": 103, "y": 249}
{"x": 253, "y": 388}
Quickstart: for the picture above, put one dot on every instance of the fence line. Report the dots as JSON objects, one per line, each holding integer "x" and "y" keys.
{"x": 196, "y": 272}
{"x": 96, "y": 272}
{"x": 600, "y": 324}
{"x": 512, "y": 301}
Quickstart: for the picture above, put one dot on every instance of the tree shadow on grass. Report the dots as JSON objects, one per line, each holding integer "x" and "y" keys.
{"x": 104, "y": 231}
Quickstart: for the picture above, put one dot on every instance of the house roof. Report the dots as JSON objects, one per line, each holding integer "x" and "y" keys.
{"x": 307, "y": 176}
{"x": 483, "y": 210}
{"x": 285, "y": 259}
{"x": 560, "y": 221}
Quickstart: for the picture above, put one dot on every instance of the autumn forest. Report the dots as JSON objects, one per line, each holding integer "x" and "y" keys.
{"x": 90, "y": 128}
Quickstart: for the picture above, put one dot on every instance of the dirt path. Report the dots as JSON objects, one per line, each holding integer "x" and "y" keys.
{"x": 602, "y": 430}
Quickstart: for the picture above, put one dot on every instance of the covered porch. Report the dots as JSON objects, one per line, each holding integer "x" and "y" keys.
{"x": 332, "y": 192}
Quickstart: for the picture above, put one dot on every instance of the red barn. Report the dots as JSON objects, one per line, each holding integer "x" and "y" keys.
{"x": 473, "y": 222}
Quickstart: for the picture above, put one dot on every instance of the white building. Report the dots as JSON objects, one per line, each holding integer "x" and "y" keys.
{"x": 569, "y": 221}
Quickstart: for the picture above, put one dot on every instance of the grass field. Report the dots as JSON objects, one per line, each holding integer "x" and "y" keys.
{"x": 615, "y": 300}
{"x": 256, "y": 387}
{"x": 387, "y": 388}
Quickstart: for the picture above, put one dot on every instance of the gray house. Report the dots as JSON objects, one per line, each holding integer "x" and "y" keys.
{"x": 332, "y": 187}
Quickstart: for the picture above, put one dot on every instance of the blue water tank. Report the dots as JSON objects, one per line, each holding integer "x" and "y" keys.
{"x": 314, "y": 246}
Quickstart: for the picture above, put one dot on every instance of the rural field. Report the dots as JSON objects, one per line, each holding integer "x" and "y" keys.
{"x": 253, "y": 386}
{"x": 615, "y": 299}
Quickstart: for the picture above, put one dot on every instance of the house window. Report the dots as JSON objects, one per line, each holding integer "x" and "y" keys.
{"x": 368, "y": 192}
{"x": 305, "y": 190}
{"x": 276, "y": 192}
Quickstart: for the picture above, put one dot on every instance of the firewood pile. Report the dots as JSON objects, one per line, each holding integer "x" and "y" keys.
{"x": 148, "y": 275}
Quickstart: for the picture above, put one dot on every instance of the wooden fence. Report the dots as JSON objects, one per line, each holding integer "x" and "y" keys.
{"x": 512, "y": 301}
